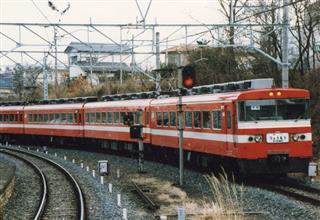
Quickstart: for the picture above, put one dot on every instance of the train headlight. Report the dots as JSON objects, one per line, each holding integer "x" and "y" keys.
{"x": 250, "y": 139}
{"x": 295, "y": 137}
{"x": 258, "y": 138}
{"x": 302, "y": 137}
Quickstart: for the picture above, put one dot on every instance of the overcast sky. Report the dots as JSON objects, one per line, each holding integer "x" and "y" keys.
{"x": 100, "y": 11}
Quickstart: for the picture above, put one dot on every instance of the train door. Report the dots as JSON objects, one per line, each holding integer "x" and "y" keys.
{"x": 228, "y": 128}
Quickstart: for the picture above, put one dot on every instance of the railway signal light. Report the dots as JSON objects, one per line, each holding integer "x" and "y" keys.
{"x": 188, "y": 76}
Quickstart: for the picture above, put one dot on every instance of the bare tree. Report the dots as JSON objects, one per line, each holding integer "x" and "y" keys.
{"x": 307, "y": 18}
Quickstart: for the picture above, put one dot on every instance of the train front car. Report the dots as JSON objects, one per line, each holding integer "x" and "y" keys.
{"x": 273, "y": 132}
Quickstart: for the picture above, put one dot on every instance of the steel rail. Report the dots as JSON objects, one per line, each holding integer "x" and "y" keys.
{"x": 150, "y": 203}
{"x": 77, "y": 188}
{"x": 44, "y": 187}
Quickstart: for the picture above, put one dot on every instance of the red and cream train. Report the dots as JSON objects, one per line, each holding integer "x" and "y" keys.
{"x": 257, "y": 129}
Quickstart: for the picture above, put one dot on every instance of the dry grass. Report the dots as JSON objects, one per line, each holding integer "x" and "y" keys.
{"x": 225, "y": 204}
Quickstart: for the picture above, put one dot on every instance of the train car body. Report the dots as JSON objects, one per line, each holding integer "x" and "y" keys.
{"x": 261, "y": 131}
{"x": 105, "y": 120}
{"x": 64, "y": 120}
{"x": 11, "y": 120}
{"x": 254, "y": 130}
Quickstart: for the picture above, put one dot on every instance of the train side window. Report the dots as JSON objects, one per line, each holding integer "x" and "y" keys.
{"x": 92, "y": 117}
{"x": 98, "y": 117}
{"x": 75, "y": 116}
{"x": 45, "y": 118}
{"x": 1, "y": 118}
{"x": 64, "y": 118}
{"x": 122, "y": 114}
{"x": 188, "y": 119}
{"x": 138, "y": 118}
{"x": 159, "y": 118}
{"x": 109, "y": 117}
{"x": 104, "y": 117}
{"x": 166, "y": 119}
{"x": 35, "y": 117}
{"x": 206, "y": 119}
{"x": 173, "y": 119}
{"x": 87, "y": 117}
{"x": 196, "y": 119}
{"x": 29, "y": 117}
{"x": 228, "y": 119}
{"x": 70, "y": 118}
{"x": 217, "y": 119}
{"x": 40, "y": 117}
{"x": 11, "y": 118}
{"x": 51, "y": 118}
{"x": 116, "y": 117}
{"x": 57, "y": 117}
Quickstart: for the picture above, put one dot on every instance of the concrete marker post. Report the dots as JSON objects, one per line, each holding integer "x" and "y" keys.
{"x": 93, "y": 173}
{"x": 110, "y": 187}
{"x": 87, "y": 168}
{"x": 81, "y": 165}
{"x": 73, "y": 161}
{"x": 65, "y": 157}
{"x": 119, "y": 200}
{"x": 118, "y": 173}
{"x": 101, "y": 180}
{"x": 124, "y": 214}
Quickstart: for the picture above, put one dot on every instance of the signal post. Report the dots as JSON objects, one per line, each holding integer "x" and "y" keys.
{"x": 186, "y": 79}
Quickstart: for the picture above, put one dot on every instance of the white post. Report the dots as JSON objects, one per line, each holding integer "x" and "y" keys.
{"x": 73, "y": 161}
{"x": 81, "y": 165}
{"x": 118, "y": 173}
{"x": 101, "y": 180}
{"x": 87, "y": 168}
{"x": 124, "y": 214}
{"x": 65, "y": 157}
{"x": 110, "y": 187}
{"x": 55, "y": 154}
{"x": 93, "y": 173}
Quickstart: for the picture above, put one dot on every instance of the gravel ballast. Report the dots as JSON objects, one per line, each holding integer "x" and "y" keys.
{"x": 103, "y": 205}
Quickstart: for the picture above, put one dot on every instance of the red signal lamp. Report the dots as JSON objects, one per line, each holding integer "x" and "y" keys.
{"x": 188, "y": 76}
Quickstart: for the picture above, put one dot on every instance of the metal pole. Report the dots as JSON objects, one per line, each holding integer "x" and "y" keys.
{"x": 45, "y": 78}
{"x": 285, "y": 64}
{"x": 158, "y": 78}
{"x": 120, "y": 56}
{"x": 55, "y": 59}
{"x": 180, "y": 127}
{"x": 141, "y": 155}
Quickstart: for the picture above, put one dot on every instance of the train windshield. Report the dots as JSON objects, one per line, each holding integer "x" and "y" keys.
{"x": 273, "y": 109}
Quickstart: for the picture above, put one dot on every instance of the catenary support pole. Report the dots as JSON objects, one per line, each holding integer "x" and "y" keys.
{"x": 285, "y": 30}
{"x": 180, "y": 128}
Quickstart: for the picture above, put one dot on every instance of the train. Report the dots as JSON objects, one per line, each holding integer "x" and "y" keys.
{"x": 249, "y": 126}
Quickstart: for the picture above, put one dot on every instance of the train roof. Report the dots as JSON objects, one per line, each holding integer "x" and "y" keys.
{"x": 138, "y": 103}
{"x": 54, "y": 106}
{"x": 11, "y": 108}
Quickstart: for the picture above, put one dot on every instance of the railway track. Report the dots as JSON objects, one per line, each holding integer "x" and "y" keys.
{"x": 38, "y": 213}
{"x": 293, "y": 188}
{"x": 62, "y": 197}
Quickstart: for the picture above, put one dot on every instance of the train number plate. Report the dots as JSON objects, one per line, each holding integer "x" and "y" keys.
{"x": 277, "y": 138}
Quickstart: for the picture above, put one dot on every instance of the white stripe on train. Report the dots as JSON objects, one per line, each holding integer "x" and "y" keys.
{"x": 159, "y": 132}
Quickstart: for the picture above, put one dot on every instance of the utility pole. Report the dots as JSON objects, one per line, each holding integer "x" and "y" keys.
{"x": 45, "y": 78}
{"x": 158, "y": 76}
{"x": 55, "y": 58}
{"x": 285, "y": 30}
{"x": 180, "y": 127}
